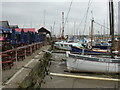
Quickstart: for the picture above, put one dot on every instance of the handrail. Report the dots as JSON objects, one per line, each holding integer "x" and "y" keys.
{"x": 22, "y": 47}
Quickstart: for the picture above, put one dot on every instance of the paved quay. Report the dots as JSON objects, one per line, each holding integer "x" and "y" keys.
{"x": 21, "y": 69}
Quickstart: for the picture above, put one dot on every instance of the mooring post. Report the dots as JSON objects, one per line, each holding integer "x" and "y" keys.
{"x": 16, "y": 57}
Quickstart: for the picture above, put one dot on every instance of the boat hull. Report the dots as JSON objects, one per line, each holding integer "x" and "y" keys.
{"x": 81, "y": 65}
{"x": 63, "y": 48}
{"x": 80, "y": 50}
{"x": 101, "y": 47}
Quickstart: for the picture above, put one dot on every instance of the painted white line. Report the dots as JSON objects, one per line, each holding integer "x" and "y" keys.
{"x": 37, "y": 60}
{"x": 18, "y": 72}
{"x": 36, "y": 56}
{"x": 85, "y": 77}
{"x": 40, "y": 53}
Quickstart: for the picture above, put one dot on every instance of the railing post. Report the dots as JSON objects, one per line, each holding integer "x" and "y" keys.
{"x": 25, "y": 52}
{"x": 34, "y": 48}
{"x": 31, "y": 49}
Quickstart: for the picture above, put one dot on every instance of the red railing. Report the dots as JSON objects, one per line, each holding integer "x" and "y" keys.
{"x": 20, "y": 53}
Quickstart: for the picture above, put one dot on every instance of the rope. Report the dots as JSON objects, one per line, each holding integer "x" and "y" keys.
{"x": 68, "y": 13}
{"x": 83, "y": 17}
{"x": 101, "y": 25}
{"x": 89, "y": 4}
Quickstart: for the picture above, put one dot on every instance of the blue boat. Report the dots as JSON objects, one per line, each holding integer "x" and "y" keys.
{"x": 76, "y": 49}
{"x": 102, "y": 45}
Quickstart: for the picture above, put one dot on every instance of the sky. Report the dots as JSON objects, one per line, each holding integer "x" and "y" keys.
{"x": 48, "y": 13}
{"x": 119, "y": 18}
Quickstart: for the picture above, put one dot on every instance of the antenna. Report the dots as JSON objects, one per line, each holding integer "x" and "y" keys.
{"x": 31, "y": 22}
{"x": 53, "y": 27}
{"x": 74, "y": 28}
{"x": 44, "y": 17}
{"x": 92, "y": 14}
{"x": 51, "y": 30}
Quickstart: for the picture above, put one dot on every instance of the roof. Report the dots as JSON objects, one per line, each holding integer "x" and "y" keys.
{"x": 26, "y": 29}
{"x": 42, "y": 29}
{"x": 4, "y": 24}
{"x": 14, "y": 26}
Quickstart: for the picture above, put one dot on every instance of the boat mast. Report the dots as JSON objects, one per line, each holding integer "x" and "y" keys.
{"x": 111, "y": 17}
{"x": 91, "y": 31}
{"x": 62, "y": 36}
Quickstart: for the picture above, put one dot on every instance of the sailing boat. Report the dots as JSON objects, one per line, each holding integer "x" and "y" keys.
{"x": 90, "y": 48}
{"x": 86, "y": 63}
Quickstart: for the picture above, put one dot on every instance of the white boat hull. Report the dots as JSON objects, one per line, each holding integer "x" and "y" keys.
{"x": 65, "y": 45}
{"x": 91, "y": 66}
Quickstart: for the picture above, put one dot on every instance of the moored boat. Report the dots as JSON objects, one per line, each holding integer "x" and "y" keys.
{"x": 104, "y": 64}
{"x": 65, "y": 45}
{"x": 88, "y": 63}
{"x": 76, "y": 49}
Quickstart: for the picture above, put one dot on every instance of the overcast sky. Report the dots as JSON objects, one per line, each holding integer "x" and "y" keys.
{"x": 32, "y": 13}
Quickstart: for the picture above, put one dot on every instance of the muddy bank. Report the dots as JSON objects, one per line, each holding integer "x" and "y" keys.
{"x": 58, "y": 66}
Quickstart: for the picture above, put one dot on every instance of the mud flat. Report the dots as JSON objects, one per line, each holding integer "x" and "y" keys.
{"x": 58, "y": 66}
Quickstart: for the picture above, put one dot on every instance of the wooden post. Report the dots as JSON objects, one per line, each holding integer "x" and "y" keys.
{"x": 111, "y": 17}
{"x": 92, "y": 31}
{"x": 25, "y": 52}
{"x": 62, "y": 36}
{"x": 31, "y": 50}
{"x": 119, "y": 47}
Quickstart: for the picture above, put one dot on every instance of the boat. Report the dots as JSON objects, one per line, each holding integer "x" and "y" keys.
{"x": 63, "y": 45}
{"x": 90, "y": 47}
{"x": 102, "y": 45}
{"x": 76, "y": 49}
{"x": 90, "y": 63}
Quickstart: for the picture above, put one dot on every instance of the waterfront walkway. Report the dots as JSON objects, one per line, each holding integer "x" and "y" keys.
{"x": 21, "y": 69}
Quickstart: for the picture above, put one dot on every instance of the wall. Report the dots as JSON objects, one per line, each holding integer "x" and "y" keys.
{"x": 36, "y": 76}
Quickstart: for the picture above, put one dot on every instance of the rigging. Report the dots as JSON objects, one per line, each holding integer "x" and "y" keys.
{"x": 68, "y": 13}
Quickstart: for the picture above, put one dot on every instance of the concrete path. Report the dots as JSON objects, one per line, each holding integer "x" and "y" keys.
{"x": 13, "y": 77}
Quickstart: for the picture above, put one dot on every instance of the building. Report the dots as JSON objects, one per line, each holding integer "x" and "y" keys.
{"x": 43, "y": 32}
{"x": 14, "y": 26}
{"x": 25, "y": 29}
{"x": 4, "y": 24}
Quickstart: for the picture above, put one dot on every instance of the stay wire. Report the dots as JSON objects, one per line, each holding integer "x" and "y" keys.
{"x": 101, "y": 25}
{"x": 89, "y": 4}
{"x": 66, "y": 20}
